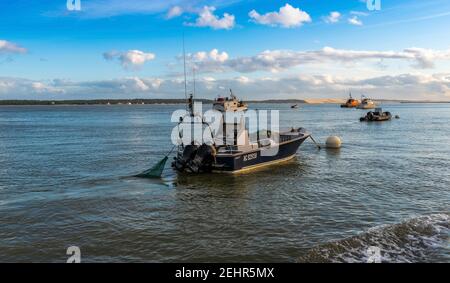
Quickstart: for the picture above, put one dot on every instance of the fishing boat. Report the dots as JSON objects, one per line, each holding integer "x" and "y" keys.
{"x": 234, "y": 150}
{"x": 366, "y": 103}
{"x": 376, "y": 116}
{"x": 350, "y": 103}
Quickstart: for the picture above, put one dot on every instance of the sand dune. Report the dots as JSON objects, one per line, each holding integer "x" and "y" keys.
{"x": 324, "y": 100}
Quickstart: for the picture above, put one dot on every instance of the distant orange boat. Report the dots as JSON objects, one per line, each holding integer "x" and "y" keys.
{"x": 351, "y": 102}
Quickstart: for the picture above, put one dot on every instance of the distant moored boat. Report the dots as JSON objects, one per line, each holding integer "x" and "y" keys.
{"x": 376, "y": 116}
{"x": 229, "y": 104}
{"x": 351, "y": 102}
{"x": 366, "y": 103}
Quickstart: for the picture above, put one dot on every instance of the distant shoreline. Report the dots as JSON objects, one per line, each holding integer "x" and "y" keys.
{"x": 138, "y": 101}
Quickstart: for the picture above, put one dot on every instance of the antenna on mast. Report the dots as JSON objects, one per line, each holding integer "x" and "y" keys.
{"x": 193, "y": 74}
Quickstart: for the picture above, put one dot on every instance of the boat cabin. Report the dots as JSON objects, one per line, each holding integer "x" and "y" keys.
{"x": 225, "y": 104}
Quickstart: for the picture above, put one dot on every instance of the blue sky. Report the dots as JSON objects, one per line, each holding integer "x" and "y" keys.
{"x": 283, "y": 49}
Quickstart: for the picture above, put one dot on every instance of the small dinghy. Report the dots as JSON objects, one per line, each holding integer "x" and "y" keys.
{"x": 376, "y": 116}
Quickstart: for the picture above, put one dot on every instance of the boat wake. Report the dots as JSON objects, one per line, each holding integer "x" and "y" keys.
{"x": 419, "y": 239}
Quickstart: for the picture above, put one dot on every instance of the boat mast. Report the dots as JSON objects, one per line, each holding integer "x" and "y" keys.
{"x": 190, "y": 100}
{"x": 193, "y": 75}
{"x": 184, "y": 70}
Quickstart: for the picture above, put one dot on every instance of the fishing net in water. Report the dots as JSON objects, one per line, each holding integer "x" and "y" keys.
{"x": 155, "y": 171}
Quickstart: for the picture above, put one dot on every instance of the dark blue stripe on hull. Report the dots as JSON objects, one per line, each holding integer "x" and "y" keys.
{"x": 252, "y": 159}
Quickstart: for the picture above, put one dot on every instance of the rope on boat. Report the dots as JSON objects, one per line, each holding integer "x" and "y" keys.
{"x": 318, "y": 146}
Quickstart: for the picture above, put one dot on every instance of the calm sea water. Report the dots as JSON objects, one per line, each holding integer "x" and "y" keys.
{"x": 65, "y": 180}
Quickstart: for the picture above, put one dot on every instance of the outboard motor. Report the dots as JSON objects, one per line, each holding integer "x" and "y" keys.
{"x": 181, "y": 160}
{"x": 203, "y": 160}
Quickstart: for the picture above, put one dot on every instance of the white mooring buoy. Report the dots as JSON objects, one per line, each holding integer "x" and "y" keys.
{"x": 333, "y": 142}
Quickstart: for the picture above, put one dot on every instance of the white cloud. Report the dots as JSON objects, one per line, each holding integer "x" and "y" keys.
{"x": 243, "y": 79}
{"x": 10, "y": 47}
{"x": 155, "y": 83}
{"x": 355, "y": 21}
{"x": 175, "y": 11}
{"x": 280, "y": 60}
{"x": 209, "y": 79}
{"x": 130, "y": 58}
{"x": 213, "y": 55}
{"x": 333, "y": 17}
{"x": 199, "y": 56}
{"x": 402, "y": 86}
{"x": 217, "y": 56}
{"x": 207, "y": 61}
{"x": 206, "y": 18}
{"x": 115, "y": 86}
{"x": 425, "y": 57}
{"x": 18, "y": 88}
{"x": 137, "y": 84}
{"x": 287, "y": 17}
